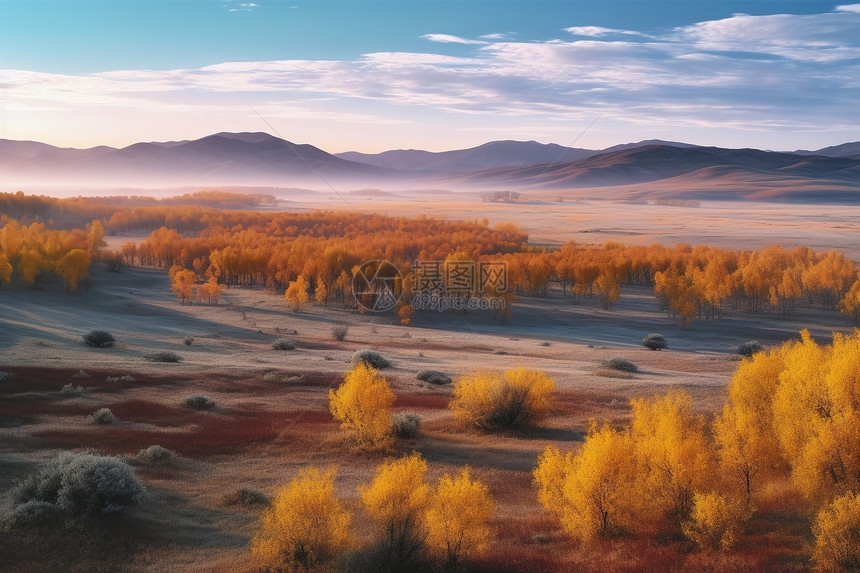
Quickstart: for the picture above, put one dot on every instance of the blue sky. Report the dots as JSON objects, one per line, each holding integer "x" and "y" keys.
{"x": 374, "y": 75}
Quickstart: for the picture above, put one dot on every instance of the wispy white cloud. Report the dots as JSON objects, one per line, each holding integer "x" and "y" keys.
{"x": 750, "y": 74}
{"x": 449, "y": 39}
{"x": 848, "y": 8}
{"x": 597, "y": 31}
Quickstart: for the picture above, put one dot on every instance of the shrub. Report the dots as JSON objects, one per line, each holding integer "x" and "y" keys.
{"x": 458, "y": 518}
{"x": 123, "y": 378}
{"x": 188, "y": 340}
{"x": 99, "y": 339}
{"x": 4, "y": 376}
{"x": 198, "y": 402}
{"x": 715, "y": 521}
{"x": 80, "y": 483}
{"x": 162, "y": 356}
{"x": 434, "y": 377}
{"x": 837, "y": 535}
{"x": 655, "y": 342}
{"x": 35, "y": 514}
{"x": 305, "y": 526}
{"x": 406, "y": 425}
{"x": 246, "y": 497}
{"x": 362, "y": 405}
{"x": 494, "y": 400}
{"x": 81, "y": 374}
{"x": 396, "y": 501}
{"x": 338, "y": 331}
{"x": 370, "y": 358}
{"x": 620, "y": 364}
{"x": 154, "y": 455}
{"x": 283, "y": 344}
{"x": 71, "y": 390}
{"x": 749, "y": 348}
{"x": 103, "y": 417}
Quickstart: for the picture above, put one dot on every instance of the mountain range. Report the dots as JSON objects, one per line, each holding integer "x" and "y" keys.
{"x": 647, "y": 169}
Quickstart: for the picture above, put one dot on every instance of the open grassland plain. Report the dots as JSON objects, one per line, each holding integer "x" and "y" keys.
{"x": 269, "y": 415}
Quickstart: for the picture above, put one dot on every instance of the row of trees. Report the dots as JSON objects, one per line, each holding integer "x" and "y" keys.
{"x": 793, "y": 411}
{"x": 307, "y": 525}
{"x": 30, "y": 252}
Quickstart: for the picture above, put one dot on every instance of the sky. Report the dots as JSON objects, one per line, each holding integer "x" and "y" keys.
{"x": 368, "y": 75}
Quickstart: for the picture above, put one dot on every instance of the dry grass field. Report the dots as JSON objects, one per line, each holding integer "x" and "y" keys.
{"x": 271, "y": 413}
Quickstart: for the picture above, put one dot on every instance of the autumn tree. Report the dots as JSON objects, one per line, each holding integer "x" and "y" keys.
{"x": 182, "y": 282}
{"x": 74, "y": 267}
{"x": 850, "y": 303}
{"x": 591, "y": 492}
{"x": 493, "y": 400}
{"x": 210, "y": 290}
{"x": 95, "y": 237}
{"x": 5, "y": 269}
{"x": 837, "y": 534}
{"x": 305, "y": 526}
{"x": 362, "y": 405}
{"x": 716, "y": 521}
{"x": 297, "y": 293}
{"x": 674, "y": 456}
{"x": 458, "y": 518}
{"x": 321, "y": 292}
{"x": 743, "y": 432}
{"x": 396, "y": 501}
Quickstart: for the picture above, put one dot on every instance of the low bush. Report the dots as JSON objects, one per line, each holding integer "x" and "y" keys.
{"x": 621, "y": 364}
{"x": 434, "y": 377}
{"x": 406, "y": 425}
{"x": 71, "y": 390}
{"x": 339, "y": 331}
{"x": 655, "y": 342}
{"x": 499, "y": 400}
{"x": 154, "y": 455}
{"x": 104, "y": 417}
{"x": 246, "y": 497}
{"x": 188, "y": 340}
{"x": 4, "y": 376}
{"x": 198, "y": 402}
{"x": 99, "y": 339}
{"x": 370, "y": 358}
{"x": 79, "y": 484}
{"x": 163, "y": 356}
{"x": 283, "y": 344}
{"x": 81, "y": 374}
{"x": 749, "y": 348}
{"x": 123, "y": 378}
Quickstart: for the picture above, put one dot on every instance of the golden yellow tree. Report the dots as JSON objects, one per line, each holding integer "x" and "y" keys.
{"x": 297, "y": 293}
{"x": 362, "y": 405}
{"x": 674, "y": 455}
{"x": 210, "y": 290}
{"x": 321, "y": 292}
{"x": 837, "y": 535}
{"x": 182, "y": 282}
{"x": 5, "y": 269}
{"x": 817, "y": 416}
{"x": 850, "y": 303}
{"x": 73, "y": 267}
{"x": 492, "y": 400}
{"x": 458, "y": 518}
{"x": 305, "y": 526}
{"x": 396, "y": 501}
{"x": 716, "y": 521}
{"x": 744, "y": 432}
{"x": 592, "y": 492}
{"x": 95, "y": 237}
